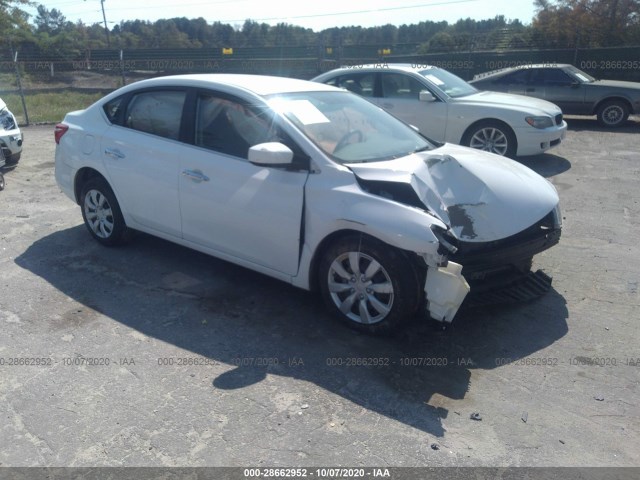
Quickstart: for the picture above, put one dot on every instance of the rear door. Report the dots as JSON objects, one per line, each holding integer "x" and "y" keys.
{"x": 141, "y": 152}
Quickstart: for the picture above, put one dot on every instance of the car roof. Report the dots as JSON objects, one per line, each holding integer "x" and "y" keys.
{"x": 261, "y": 85}
{"x": 384, "y": 67}
{"x": 503, "y": 71}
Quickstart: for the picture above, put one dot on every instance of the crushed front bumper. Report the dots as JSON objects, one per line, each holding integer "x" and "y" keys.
{"x": 491, "y": 273}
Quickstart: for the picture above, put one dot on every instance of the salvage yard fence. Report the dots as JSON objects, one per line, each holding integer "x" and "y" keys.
{"x": 106, "y": 69}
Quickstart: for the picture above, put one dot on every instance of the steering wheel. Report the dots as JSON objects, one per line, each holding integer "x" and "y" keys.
{"x": 345, "y": 140}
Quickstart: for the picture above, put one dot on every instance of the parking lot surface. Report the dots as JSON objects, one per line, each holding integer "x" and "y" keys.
{"x": 155, "y": 355}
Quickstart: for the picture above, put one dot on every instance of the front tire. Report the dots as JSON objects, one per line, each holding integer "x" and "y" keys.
{"x": 613, "y": 114}
{"x": 369, "y": 285}
{"x": 491, "y": 136}
{"x": 101, "y": 213}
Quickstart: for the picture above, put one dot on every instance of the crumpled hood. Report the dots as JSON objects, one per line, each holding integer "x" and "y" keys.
{"x": 481, "y": 196}
{"x": 511, "y": 100}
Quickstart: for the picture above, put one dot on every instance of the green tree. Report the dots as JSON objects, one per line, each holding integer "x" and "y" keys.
{"x": 570, "y": 23}
{"x": 50, "y": 21}
{"x": 14, "y": 23}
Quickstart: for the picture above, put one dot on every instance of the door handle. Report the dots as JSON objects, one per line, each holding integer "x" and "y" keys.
{"x": 531, "y": 89}
{"x": 195, "y": 175}
{"x": 114, "y": 152}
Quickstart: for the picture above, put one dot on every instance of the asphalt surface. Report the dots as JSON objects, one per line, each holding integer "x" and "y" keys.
{"x": 155, "y": 355}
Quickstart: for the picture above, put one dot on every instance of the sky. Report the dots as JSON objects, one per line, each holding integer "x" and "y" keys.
{"x": 316, "y": 15}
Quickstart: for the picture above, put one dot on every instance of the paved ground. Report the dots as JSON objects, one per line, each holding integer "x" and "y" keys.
{"x": 156, "y": 355}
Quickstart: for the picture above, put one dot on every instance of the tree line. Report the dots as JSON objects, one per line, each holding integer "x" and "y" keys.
{"x": 556, "y": 24}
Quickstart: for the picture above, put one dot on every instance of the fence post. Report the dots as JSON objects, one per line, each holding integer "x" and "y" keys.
{"x": 124, "y": 80}
{"x": 19, "y": 82}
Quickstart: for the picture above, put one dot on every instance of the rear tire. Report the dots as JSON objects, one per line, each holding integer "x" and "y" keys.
{"x": 101, "y": 213}
{"x": 369, "y": 285}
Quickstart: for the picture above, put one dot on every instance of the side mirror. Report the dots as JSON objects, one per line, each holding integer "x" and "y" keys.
{"x": 270, "y": 154}
{"x": 426, "y": 96}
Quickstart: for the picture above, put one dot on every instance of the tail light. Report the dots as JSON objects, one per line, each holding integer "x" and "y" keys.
{"x": 59, "y": 131}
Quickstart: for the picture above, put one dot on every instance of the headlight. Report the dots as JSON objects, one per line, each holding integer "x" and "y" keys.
{"x": 557, "y": 216}
{"x": 540, "y": 122}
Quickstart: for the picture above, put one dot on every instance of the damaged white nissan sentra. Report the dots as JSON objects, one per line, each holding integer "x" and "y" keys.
{"x": 312, "y": 185}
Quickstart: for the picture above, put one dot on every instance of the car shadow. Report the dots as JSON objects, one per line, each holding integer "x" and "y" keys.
{"x": 546, "y": 164}
{"x": 229, "y": 314}
{"x": 590, "y": 124}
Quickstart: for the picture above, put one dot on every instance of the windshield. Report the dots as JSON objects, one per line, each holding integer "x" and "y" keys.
{"x": 579, "y": 74}
{"x": 448, "y": 82}
{"x": 348, "y": 128}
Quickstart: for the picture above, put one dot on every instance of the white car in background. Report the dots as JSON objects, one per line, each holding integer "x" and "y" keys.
{"x": 10, "y": 136}
{"x": 445, "y": 108}
{"x": 309, "y": 184}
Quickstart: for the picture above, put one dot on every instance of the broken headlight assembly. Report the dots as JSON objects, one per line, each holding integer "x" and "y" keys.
{"x": 6, "y": 120}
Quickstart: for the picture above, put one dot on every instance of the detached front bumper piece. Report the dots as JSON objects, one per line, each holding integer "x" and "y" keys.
{"x": 528, "y": 286}
{"x": 445, "y": 289}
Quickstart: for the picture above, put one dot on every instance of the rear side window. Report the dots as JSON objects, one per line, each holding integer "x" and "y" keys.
{"x": 519, "y": 77}
{"x": 113, "y": 109}
{"x": 156, "y": 112}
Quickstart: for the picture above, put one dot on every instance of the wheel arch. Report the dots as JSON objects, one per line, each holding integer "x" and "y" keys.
{"x": 82, "y": 176}
{"x": 477, "y": 123}
{"x": 601, "y": 102}
{"x": 338, "y": 235}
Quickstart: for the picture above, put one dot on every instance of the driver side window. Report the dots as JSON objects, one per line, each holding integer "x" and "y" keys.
{"x": 231, "y": 127}
{"x": 397, "y": 85}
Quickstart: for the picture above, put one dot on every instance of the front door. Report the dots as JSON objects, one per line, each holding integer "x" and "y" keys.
{"x": 228, "y": 204}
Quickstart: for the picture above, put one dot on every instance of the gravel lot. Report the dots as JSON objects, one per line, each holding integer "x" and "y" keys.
{"x": 155, "y": 355}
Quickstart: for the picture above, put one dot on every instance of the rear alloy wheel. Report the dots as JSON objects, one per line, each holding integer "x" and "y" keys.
{"x": 491, "y": 137}
{"x": 101, "y": 213}
{"x": 613, "y": 114}
{"x": 369, "y": 285}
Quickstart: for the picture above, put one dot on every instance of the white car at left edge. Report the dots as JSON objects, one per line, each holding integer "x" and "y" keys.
{"x": 445, "y": 108}
{"x": 10, "y": 136}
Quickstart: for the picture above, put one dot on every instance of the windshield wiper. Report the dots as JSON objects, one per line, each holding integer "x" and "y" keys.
{"x": 423, "y": 149}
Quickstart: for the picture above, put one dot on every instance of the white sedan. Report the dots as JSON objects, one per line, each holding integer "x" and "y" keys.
{"x": 309, "y": 184}
{"x": 445, "y": 108}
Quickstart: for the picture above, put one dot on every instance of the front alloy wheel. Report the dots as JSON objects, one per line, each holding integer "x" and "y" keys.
{"x": 370, "y": 285}
{"x": 613, "y": 114}
{"x": 360, "y": 288}
{"x": 491, "y": 137}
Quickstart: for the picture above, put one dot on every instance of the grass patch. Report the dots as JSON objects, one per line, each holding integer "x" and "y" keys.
{"x": 49, "y": 107}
